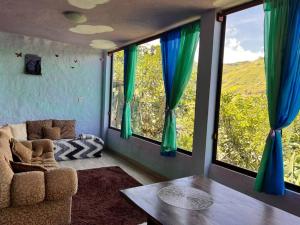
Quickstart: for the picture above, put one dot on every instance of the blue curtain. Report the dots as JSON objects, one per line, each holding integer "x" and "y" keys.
{"x": 178, "y": 50}
{"x": 282, "y": 62}
{"x": 170, "y": 46}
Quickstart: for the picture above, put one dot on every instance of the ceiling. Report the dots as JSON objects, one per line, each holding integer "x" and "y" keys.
{"x": 123, "y": 20}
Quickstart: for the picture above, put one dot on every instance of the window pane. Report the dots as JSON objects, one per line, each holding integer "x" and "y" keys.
{"x": 243, "y": 117}
{"x": 148, "y": 106}
{"x": 291, "y": 146}
{"x": 117, "y": 95}
{"x": 149, "y": 98}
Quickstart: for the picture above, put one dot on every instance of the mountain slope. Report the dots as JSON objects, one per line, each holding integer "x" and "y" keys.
{"x": 244, "y": 77}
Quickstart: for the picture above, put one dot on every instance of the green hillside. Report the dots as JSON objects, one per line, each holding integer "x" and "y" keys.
{"x": 244, "y": 77}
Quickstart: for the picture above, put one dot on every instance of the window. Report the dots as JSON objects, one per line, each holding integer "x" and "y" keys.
{"x": 149, "y": 101}
{"x": 148, "y": 106}
{"x": 117, "y": 90}
{"x": 243, "y": 122}
{"x": 291, "y": 146}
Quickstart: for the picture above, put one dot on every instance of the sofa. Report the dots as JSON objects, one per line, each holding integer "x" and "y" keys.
{"x": 41, "y": 195}
{"x": 67, "y": 145}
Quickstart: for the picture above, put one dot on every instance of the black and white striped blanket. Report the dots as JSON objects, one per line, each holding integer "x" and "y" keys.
{"x": 86, "y": 146}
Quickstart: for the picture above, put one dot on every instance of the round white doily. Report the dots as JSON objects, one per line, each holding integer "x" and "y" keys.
{"x": 185, "y": 197}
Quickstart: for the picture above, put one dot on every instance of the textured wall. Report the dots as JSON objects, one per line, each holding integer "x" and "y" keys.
{"x": 61, "y": 92}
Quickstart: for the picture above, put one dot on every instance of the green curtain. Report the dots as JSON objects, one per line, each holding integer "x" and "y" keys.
{"x": 189, "y": 37}
{"x": 130, "y": 58}
{"x": 282, "y": 66}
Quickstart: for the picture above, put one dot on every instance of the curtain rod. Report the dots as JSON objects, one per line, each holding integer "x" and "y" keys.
{"x": 155, "y": 36}
{"x": 240, "y": 7}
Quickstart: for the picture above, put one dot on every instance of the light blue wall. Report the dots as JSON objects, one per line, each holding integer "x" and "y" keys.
{"x": 61, "y": 92}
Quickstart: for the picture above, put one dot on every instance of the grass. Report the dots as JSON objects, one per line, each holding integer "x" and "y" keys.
{"x": 246, "y": 78}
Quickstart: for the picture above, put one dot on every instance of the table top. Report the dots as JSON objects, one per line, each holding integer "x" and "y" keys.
{"x": 230, "y": 207}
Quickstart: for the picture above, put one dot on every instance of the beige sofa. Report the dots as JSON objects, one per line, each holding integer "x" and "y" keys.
{"x": 37, "y": 197}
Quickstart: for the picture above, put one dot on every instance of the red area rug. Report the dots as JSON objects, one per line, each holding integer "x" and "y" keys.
{"x": 99, "y": 202}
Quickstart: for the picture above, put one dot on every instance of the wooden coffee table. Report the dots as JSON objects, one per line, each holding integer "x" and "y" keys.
{"x": 229, "y": 208}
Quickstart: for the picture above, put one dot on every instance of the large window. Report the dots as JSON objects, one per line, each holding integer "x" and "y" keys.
{"x": 148, "y": 106}
{"x": 243, "y": 115}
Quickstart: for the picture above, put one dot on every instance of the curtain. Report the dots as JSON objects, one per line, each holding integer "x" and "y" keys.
{"x": 178, "y": 50}
{"x": 282, "y": 67}
{"x": 130, "y": 58}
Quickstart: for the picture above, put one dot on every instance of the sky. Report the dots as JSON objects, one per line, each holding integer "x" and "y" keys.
{"x": 244, "y": 36}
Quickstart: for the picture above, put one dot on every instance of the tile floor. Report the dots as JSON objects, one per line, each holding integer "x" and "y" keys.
{"x": 111, "y": 159}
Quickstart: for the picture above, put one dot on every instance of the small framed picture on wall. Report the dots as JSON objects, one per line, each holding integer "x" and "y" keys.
{"x": 33, "y": 64}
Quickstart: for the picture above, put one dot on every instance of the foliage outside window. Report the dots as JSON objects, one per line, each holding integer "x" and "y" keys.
{"x": 243, "y": 115}
{"x": 148, "y": 107}
{"x": 117, "y": 92}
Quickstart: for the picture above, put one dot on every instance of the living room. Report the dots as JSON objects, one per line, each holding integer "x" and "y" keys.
{"x": 149, "y": 112}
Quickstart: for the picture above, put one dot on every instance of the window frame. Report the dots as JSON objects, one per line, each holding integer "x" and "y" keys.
{"x": 235, "y": 168}
{"x": 186, "y": 152}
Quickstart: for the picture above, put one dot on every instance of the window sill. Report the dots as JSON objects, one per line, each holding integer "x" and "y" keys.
{"x": 245, "y": 182}
{"x": 179, "y": 151}
{"x": 289, "y": 186}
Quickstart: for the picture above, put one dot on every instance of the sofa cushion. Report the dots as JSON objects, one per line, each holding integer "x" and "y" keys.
{"x": 19, "y": 131}
{"x": 34, "y": 128}
{"x": 27, "y": 188}
{"x": 47, "y": 163}
{"x": 60, "y": 183}
{"x": 52, "y": 133}
{"x": 5, "y": 146}
{"x": 67, "y": 128}
{"x": 27, "y": 144}
{"x": 7, "y": 130}
{"x": 19, "y": 167}
{"x": 21, "y": 152}
{"x": 43, "y": 154}
{"x": 41, "y": 147}
{"x": 6, "y": 176}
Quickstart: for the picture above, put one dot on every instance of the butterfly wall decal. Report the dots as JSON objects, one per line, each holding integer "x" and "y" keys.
{"x": 18, "y": 54}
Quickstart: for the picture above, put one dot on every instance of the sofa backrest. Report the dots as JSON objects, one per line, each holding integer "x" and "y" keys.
{"x": 5, "y": 146}
{"x": 6, "y": 176}
{"x": 35, "y": 128}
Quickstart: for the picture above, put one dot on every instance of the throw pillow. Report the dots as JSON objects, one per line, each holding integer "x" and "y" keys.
{"x": 34, "y": 128}
{"x": 67, "y": 128}
{"x": 20, "y": 152}
{"x": 52, "y": 133}
{"x": 19, "y": 167}
{"x": 19, "y": 131}
{"x": 7, "y": 130}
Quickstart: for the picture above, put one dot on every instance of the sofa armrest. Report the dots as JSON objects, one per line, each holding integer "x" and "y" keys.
{"x": 61, "y": 183}
{"x": 27, "y": 188}
{"x": 42, "y": 147}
